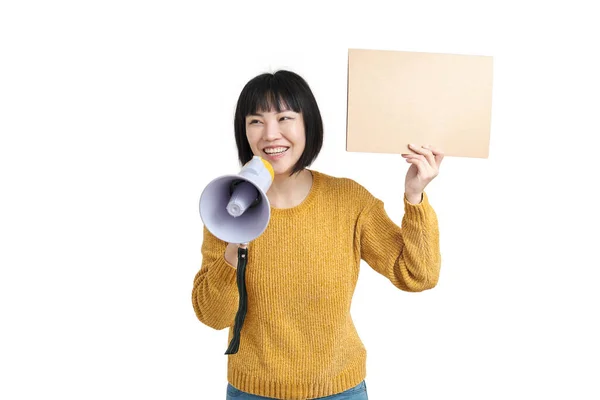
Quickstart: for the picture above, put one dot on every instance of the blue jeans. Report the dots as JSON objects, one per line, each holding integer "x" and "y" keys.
{"x": 358, "y": 392}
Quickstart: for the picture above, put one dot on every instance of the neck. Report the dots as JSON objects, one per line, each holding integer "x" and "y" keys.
{"x": 289, "y": 191}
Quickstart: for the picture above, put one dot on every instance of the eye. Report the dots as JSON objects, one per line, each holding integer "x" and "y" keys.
{"x": 253, "y": 121}
{"x": 285, "y": 117}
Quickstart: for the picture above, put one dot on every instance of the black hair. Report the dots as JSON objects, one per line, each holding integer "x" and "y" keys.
{"x": 280, "y": 90}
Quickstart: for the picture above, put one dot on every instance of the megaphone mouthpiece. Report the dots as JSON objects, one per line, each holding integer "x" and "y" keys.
{"x": 243, "y": 197}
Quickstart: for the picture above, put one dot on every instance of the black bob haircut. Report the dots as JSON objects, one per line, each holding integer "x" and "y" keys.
{"x": 277, "y": 91}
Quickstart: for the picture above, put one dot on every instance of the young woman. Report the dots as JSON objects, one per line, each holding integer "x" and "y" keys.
{"x": 298, "y": 340}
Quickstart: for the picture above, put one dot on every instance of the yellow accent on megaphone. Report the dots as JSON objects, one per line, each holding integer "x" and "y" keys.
{"x": 269, "y": 167}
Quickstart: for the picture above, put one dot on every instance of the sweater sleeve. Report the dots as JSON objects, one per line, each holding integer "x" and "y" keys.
{"x": 214, "y": 295}
{"x": 409, "y": 256}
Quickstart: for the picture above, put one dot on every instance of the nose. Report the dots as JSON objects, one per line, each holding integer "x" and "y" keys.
{"x": 271, "y": 131}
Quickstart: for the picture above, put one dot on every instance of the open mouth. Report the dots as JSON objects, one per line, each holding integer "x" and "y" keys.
{"x": 276, "y": 150}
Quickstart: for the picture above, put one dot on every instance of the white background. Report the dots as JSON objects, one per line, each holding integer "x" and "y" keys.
{"x": 114, "y": 115}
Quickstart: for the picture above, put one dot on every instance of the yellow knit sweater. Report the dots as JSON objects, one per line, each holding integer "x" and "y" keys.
{"x": 298, "y": 340}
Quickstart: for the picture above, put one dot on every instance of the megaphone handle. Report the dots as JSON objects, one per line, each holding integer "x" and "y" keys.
{"x": 234, "y": 345}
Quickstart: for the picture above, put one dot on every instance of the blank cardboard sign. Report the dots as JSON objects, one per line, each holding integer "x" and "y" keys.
{"x": 396, "y": 98}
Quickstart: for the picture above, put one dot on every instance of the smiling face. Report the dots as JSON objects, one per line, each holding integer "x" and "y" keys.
{"x": 277, "y": 112}
{"x": 278, "y": 137}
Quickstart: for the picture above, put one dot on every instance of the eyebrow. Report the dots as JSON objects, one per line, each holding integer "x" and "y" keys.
{"x": 262, "y": 115}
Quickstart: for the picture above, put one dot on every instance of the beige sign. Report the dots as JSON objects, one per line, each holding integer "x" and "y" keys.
{"x": 396, "y": 98}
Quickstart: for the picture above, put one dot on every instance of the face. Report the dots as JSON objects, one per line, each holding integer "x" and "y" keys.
{"x": 278, "y": 137}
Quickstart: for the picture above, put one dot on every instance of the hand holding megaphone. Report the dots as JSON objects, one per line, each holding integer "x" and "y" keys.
{"x": 231, "y": 252}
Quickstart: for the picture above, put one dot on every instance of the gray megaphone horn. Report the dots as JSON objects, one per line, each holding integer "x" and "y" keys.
{"x": 235, "y": 208}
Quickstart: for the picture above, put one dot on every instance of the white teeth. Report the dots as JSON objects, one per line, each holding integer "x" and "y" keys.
{"x": 275, "y": 150}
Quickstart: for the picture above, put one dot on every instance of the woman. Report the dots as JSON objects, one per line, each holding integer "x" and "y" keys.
{"x": 298, "y": 339}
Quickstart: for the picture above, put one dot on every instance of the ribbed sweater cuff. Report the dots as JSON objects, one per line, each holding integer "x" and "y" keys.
{"x": 417, "y": 212}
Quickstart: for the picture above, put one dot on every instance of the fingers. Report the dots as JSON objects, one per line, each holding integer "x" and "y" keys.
{"x": 418, "y": 161}
{"x": 438, "y": 154}
{"x": 432, "y": 155}
{"x": 424, "y": 151}
{"x": 415, "y": 159}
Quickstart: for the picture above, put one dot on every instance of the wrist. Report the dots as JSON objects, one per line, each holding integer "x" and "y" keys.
{"x": 414, "y": 198}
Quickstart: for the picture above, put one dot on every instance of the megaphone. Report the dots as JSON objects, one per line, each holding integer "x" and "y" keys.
{"x": 235, "y": 208}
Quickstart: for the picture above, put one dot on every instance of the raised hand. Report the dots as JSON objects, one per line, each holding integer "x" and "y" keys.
{"x": 425, "y": 166}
